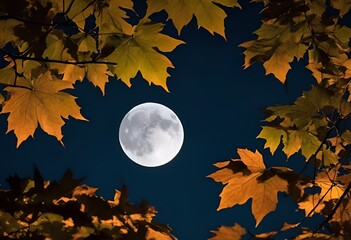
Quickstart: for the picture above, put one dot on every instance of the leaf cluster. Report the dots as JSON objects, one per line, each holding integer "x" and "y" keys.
{"x": 316, "y": 126}
{"x": 86, "y": 40}
{"x": 39, "y": 209}
{"x": 327, "y": 195}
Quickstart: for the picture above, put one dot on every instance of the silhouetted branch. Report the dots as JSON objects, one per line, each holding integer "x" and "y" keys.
{"x": 14, "y": 56}
{"x": 337, "y": 205}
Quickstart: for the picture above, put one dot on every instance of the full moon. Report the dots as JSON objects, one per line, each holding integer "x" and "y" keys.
{"x": 151, "y": 134}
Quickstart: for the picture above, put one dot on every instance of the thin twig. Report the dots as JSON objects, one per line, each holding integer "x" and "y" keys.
{"x": 14, "y": 56}
{"x": 330, "y": 216}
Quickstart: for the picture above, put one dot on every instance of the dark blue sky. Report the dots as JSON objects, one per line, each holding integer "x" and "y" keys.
{"x": 220, "y": 106}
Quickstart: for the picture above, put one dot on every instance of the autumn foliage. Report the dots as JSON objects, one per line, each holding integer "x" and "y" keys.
{"x": 47, "y": 46}
{"x": 39, "y": 209}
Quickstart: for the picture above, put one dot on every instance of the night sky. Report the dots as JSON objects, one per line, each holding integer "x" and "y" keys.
{"x": 221, "y": 109}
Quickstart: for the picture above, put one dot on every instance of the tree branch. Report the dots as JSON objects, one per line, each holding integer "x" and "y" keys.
{"x": 337, "y": 205}
{"x": 14, "y": 56}
{"x": 14, "y": 85}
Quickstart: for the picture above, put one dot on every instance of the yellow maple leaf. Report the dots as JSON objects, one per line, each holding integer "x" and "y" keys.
{"x": 279, "y": 63}
{"x": 261, "y": 184}
{"x": 111, "y": 17}
{"x": 74, "y": 73}
{"x": 229, "y": 233}
{"x": 208, "y": 15}
{"x": 77, "y": 10}
{"x": 140, "y": 52}
{"x": 97, "y": 74}
{"x": 43, "y": 103}
{"x": 7, "y": 27}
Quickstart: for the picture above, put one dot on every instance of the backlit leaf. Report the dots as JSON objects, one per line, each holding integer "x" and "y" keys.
{"x": 97, "y": 74}
{"x": 272, "y": 136}
{"x": 138, "y": 53}
{"x": 329, "y": 190}
{"x": 7, "y": 31}
{"x": 262, "y": 185}
{"x": 208, "y": 15}
{"x": 44, "y": 103}
{"x": 342, "y": 5}
{"x": 110, "y": 19}
{"x": 229, "y": 233}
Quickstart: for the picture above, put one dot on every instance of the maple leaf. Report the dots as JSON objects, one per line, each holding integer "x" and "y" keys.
{"x": 329, "y": 188}
{"x": 110, "y": 18}
{"x": 208, "y": 15}
{"x": 97, "y": 74}
{"x": 76, "y": 10}
{"x": 74, "y": 73}
{"x": 261, "y": 184}
{"x": 68, "y": 210}
{"x": 8, "y": 74}
{"x": 7, "y": 31}
{"x": 342, "y": 5}
{"x": 279, "y": 63}
{"x": 56, "y": 50}
{"x": 343, "y": 213}
{"x": 304, "y": 124}
{"x": 229, "y": 233}
{"x": 272, "y": 136}
{"x": 140, "y": 52}
{"x": 309, "y": 204}
{"x": 43, "y": 103}
{"x": 276, "y": 45}
{"x": 327, "y": 156}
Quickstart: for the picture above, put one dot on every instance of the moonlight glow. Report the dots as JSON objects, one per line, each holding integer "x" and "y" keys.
{"x": 151, "y": 134}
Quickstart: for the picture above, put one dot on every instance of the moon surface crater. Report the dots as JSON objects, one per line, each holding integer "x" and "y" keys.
{"x": 151, "y": 134}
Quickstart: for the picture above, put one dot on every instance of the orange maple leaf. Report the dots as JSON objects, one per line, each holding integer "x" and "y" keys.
{"x": 41, "y": 102}
{"x": 229, "y": 233}
{"x": 254, "y": 181}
